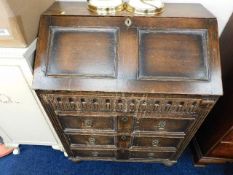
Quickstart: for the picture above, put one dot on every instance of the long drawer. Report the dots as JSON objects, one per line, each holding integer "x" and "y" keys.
{"x": 123, "y": 141}
{"x": 89, "y": 153}
{"x": 124, "y": 123}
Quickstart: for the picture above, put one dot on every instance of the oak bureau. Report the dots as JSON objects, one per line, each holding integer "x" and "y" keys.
{"x": 127, "y": 87}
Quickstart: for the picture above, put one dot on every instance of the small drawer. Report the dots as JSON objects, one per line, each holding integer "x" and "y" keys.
{"x": 150, "y": 155}
{"x": 91, "y": 140}
{"x": 162, "y": 124}
{"x": 95, "y": 153}
{"x": 154, "y": 142}
{"x": 87, "y": 122}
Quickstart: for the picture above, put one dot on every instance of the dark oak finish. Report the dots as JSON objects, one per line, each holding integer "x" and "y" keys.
{"x": 214, "y": 141}
{"x": 123, "y": 92}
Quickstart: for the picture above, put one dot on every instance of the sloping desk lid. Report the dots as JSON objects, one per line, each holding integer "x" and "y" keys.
{"x": 170, "y": 53}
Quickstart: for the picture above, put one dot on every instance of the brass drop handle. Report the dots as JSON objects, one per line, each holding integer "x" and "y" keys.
{"x": 95, "y": 154}
{"x": 155, "y": 142}
{"x": 92, "y": 140}
{"x": 150, "y": 155}
{"x": 88, "y": 123}
{"x": 161, "y": 125}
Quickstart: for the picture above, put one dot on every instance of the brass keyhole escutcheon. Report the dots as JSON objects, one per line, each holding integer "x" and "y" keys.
{"x": 123, "y": 138}
{"x": 124, "y": 119}
{"x": 128, "y": 22}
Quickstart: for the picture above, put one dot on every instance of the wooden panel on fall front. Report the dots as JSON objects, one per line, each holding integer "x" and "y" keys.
{"x": 182, "y": 57}
{"x": 80, "y": 47}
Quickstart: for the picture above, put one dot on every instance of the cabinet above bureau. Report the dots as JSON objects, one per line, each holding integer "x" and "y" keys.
{"x": 125, "y": 86}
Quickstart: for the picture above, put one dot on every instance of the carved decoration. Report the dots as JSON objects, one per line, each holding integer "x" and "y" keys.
{"x": 126, "y": 104}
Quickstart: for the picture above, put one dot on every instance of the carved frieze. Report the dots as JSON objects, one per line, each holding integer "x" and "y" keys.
{"x": 126, "y": 104}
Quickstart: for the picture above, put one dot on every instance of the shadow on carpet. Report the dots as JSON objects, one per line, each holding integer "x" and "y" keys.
{"x": 43, "y": 160}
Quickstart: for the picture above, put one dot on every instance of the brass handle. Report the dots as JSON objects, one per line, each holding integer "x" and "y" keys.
{"x": 88, "y": 123}
{"x": 155, "y": 142}
{"x": 92, "y": 140}
{"x": 161, "y": 125}
{"x": 95, "y": 154}
{"x": 151, "y": 155}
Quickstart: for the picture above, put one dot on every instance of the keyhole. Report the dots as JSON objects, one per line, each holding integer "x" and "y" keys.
{"x": 128, "y": 22}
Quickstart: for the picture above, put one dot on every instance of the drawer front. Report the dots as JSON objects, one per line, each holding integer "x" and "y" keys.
{"x": 150, "y": 155}
{"x": 224, "y": 150}
{"x": 87, "y": 122}
{"x": 143, "y": 141}
{"x": 91, "y": 140}
{"x": 95, "y": 153}
{"x": 162, "y": 124}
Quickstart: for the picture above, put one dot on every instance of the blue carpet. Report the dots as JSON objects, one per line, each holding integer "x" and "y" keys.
{"x": 42, "y": 160}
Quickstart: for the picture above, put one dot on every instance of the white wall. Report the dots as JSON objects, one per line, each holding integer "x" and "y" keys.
{"x": 222, "y": 9}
